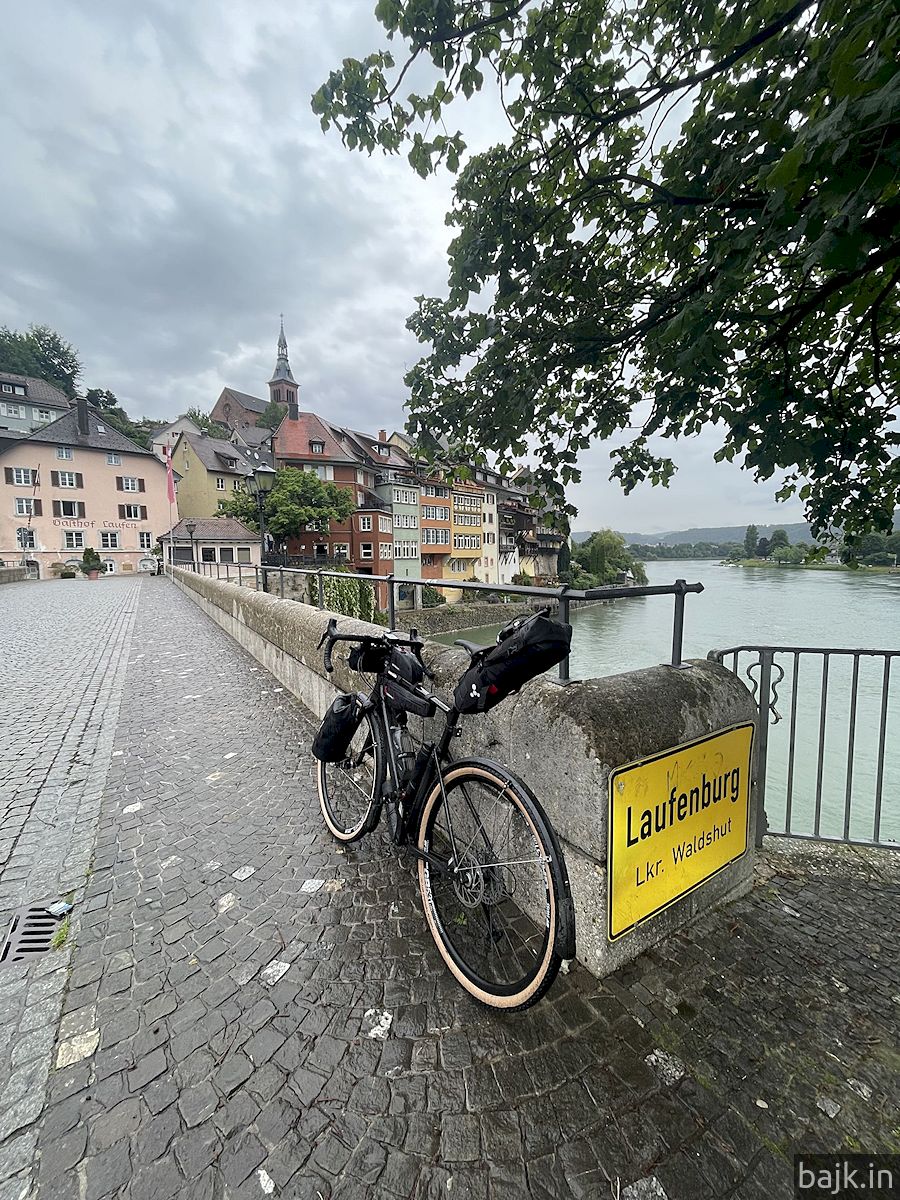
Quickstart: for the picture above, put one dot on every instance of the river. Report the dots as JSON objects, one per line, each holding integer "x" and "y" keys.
{"x": 775, "y": 607}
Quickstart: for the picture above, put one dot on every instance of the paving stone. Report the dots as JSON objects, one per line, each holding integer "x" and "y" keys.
{"x": 653, "y": 1072}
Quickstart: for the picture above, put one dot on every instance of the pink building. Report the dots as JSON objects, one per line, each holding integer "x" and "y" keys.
{"x": 77, "y": 483}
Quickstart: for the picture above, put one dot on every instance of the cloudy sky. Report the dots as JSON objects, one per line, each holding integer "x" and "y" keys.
{"x": 168, "y": 192}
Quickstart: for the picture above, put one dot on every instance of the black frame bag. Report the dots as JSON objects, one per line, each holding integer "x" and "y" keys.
{"x": 526, "y": 648}
{"x": 339, "y": 724}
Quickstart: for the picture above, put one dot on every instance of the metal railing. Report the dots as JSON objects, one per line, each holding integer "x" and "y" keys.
{"x": 825, "y": 774}
{"x": 251, "y": 575}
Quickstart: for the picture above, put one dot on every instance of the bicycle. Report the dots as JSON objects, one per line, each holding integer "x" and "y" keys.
{"x": 492, "y": 876}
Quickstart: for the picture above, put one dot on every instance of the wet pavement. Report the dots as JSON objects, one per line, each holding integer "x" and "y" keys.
{"x": 244, "y": 1009}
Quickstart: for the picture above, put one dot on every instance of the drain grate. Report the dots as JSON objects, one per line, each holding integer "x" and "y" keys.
{"x": 31, "y": 932}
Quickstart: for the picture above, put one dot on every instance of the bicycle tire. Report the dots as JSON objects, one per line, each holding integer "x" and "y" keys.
{"x": 347, "y": 813}
{"x": 476, "y": 904}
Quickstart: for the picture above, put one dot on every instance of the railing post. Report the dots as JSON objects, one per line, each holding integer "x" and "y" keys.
{"x": 321, "y": 591}
{"x": 256, "y": 576}
{"x": 240, "y": 576}
{"x": 564, "y": 617}
{"x": 281, "y": 581}
{"x": 762, "y": 743}
{"x": 392, "y": 613}
{"x": 678, "y": 625}
{"x": 228, "y": 573}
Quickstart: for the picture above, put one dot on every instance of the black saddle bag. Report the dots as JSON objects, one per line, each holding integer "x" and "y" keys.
{"x": 525, "y": 648}
{"x": 339, "y": 724}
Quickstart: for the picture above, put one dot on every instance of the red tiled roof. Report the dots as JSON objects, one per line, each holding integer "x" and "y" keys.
{"x": 292, "y": 440}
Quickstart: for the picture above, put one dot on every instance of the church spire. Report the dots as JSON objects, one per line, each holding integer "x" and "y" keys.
{"x": 282, "y": 366}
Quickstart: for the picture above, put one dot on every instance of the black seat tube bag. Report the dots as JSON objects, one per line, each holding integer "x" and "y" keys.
{"x": 340, "y": 723}
{"x": 402, "y": 684}
{"x": 526, "y": 648}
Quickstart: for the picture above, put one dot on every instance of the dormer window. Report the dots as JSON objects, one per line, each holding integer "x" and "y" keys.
{"x": 384, "y": 451}
{"x": 317, "y": 447}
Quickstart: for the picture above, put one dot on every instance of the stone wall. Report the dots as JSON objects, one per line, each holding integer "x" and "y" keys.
{"x": 563, "y": 741}
{"x": 12, "y": 574}
{"x": 446, "y": 617}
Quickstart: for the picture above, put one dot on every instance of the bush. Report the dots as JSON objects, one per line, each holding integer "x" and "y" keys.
{"x": 431, "y": 597}
{"x": 65, "y": 574}
{"x": 90, "y": 561}
{"x": 350, "y": 597}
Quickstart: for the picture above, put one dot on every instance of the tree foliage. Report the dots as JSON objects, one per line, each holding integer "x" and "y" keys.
{"x": 271, "y": 416}
{"x": 696, "y": 206}
{"x": 751, "y": 537}
{"x": 43, "y": 354}
{"x": 207, "y": 425}
{"x": 602, "y": 558}
{"x": 298, "y": 500}
{"x": 140, "y": 431}
{"x": 779, "y": 539}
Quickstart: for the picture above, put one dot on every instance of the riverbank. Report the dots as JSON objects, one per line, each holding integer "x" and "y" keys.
{"x": 767, "y": 562}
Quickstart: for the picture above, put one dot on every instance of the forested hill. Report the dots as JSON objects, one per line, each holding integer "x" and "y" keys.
{"x": 798, "y": 532}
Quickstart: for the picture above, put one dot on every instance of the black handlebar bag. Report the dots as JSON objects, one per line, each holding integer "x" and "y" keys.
{"x": 339, "y": 724}
{"x": 526, "y": 648}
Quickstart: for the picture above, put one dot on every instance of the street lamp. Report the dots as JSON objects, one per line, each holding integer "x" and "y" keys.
{"x": 260, "y": 484}
{"x": 190, "y": 526}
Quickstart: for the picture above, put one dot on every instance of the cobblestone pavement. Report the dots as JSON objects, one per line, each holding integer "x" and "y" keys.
{"x": 251, "y": 1011}
{"x": 64, "y": 651}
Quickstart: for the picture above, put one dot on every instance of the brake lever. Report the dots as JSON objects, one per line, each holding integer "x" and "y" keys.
{"x": 329, "y": 633}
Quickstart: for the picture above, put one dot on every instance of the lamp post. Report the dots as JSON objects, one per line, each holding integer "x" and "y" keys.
{"x": 190, "y": 526}
{"x": 260, "y": 484}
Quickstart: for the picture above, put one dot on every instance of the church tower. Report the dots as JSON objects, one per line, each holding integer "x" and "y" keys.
{"x": 282, "y": 385}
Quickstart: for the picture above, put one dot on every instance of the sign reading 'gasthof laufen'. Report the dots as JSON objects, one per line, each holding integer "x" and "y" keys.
{"x": 675, "y": 820}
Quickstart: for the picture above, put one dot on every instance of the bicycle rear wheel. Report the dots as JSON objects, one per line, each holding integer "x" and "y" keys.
{"x": 350, "y": 790}
{"x": 500, "y": 910}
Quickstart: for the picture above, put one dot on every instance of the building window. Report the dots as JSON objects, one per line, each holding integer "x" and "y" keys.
{"x": 110, "y": 566}
{"x": 365, "y": 524}
{"x": 25, "y": 539}
{"x": 7, "y": 387}
{"x": 109, "y": 540}
{"x": 243, "y": 554}
{"x": 341, "y": 548}
{"x": 67, "y": 479}
{"x": 435, "y": 537}
{"x": 42, "y": 414}
{"x": 435, "y": 512}
{"x": 131, "y": 512}
{"x": 440, "y": 492}
{"x": 11, "y": 410}
{"x": 226, "y": 554}
{"x": 129, "y": 483}
{"x": 22, "y": 477}
{"x": 24, "y": 506}
{"x": 317, "y": 447}
{"x": 145, "y": 541}
{"x": 365, "y": 550}
{"x": 207, "y": 554}
{"x": 73, "y": 540}
{"x": 113, "y": 459}
{"x": 68, "y": 508}
{"x": 387, "y": 550}
{"x": 220, "y": 483}
{"x": 63, "y": 451}
{"x": 384, "y": 524}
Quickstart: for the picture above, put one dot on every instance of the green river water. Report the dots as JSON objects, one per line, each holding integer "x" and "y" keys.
{"x": 776, "y": 607}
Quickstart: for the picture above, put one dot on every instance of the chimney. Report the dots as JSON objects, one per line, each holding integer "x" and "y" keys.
{"x": 382, "y": 435}
{"x": 293, "y": 409}
{"x": 83, "y": 424}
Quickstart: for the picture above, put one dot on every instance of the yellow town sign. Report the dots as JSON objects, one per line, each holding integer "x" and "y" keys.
{"x": 674, "y": 821}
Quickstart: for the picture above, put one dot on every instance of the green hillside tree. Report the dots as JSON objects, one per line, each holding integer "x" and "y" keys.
{"x": 779, "y": 539}
{"x": 740, "y": 270}
{"x": 207, "y": 425}
{"x": 751, "y": 537}
{"x": 271, "y": 416}
{"x": 42, "y": 353}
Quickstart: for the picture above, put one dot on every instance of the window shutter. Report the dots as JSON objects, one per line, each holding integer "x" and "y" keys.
{"x": 141, "y": 487}
{"x": 143, "y": 512}
{"x": 7, "y": 471}
{"x": 120, "y": 486}
{"x": 54, "y": 478}
{"x": 38, "y": 509}
{"x": 80, "y": 509}
{"x": 57, "y": 508}
{"x": 79, "y": 479}
{"x": 121, "y": 512}
{"x": 35, "y": 479}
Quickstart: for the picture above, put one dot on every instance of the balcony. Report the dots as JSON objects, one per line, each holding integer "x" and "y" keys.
{"x": 374, "y": 504}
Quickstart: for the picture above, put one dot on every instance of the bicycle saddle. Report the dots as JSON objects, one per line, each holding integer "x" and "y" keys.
{"x": 472, "y": 647}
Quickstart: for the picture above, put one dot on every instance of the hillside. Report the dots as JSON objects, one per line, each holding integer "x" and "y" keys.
{"x": 797, "y": 532}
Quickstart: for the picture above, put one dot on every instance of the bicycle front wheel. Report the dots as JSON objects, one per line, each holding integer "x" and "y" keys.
{"x": 350, "y": 790}
{"x": 498, "y": 906}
